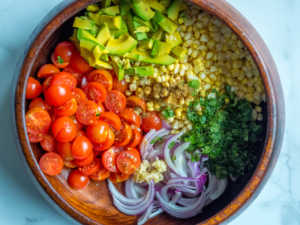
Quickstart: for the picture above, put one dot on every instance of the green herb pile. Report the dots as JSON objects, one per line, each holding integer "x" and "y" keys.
{"x": 225, "y": 132}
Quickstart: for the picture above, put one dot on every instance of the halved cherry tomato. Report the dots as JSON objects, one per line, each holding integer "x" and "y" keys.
{"x": 151, "y": 121}
{"x": 109, "y": 159}
{"x": 57, "y": 95}
{"x": 90, "y": 169}
{"x": 64, "y": 78}
{"x": 100, "y": 175}
{"x": 77, "y": 180}
{"x": 69, "y": 164}
{"x": 35, "y": 138}
{"x": 97, "y": 132}
{"x": 64, "y": 129}
{"x": 38, "y": 121}
{"x": 64, "y": 149}
{"x": 118, "y": 177}
{"x": 81, "y": 133}
{"x": 100, "y": 109}
{"x": 130, "y": 116}
{"x": 128, "y": 161}
{"x": 62, "y": 54}
{"x": 75, "y": 74}
{"x": 48, "y": 143}
{"x": 86, "y": 161}
{"x": 79, "y": 95}
{"x": 119, "y": 85}
{"x": 39, "y": 103}
{"x": 83, "y": 82}
{"x": 79, "y": 64}
{"x": 47, "y": 70}
{"x": 87, "y": 112}
{"x": 136, "y": 139}
{"x": 33, "y": 89}
{"x": 101, "y": 76}
{"x": 115, "y": 101}
{"x": 112, "y": 119}
{"x": 134, "y": 101}
{"x": 67, "y": 109}
{"x": 51, "y": 163}
{"x": 81, "y": 147}
{"x": 79, "y": 125}
{"x": 123, "y": 136}
{"x": 96, "y": 92}
{"x": 47, "y": 82}
{"x": 107, "y": 143}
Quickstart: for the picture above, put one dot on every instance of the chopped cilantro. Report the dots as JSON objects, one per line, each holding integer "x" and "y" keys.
{"x": 155, "y": 140}
{"x": 171, "y": 145}
{"x": 60, "y": 60}
{"x": 168, "y": 113}
{"x": 194, "y": 84}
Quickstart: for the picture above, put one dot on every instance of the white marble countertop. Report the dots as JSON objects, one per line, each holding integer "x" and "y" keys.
{"x": 278, "y": 203}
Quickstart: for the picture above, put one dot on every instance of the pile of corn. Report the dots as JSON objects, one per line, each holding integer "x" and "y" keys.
{"x": 215, "y": 57}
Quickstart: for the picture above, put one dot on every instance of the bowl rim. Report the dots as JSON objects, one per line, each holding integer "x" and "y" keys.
{"x": 251, "y": 39}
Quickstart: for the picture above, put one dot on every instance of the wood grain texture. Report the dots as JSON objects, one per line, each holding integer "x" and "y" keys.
{"x": 93, "y": 204}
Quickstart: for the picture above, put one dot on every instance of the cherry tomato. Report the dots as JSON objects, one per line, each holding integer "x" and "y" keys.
{"x": 115, "y": 101}
{"x": 123, "y": 136}
{"x": 112, "y": 119}
{"x": 47, "y": 70}
{"x": 38, "y": 121}
{"x": 64, "y": 78}
{"x": 69, "y": 108}
{"x": 109, "y": 159}
{"x": 81, "y": 133}
{"x": 35, "y": 138}
{"x": 130, "y": 116}
{"x": 62, "y": 54}
{"x": 87, "y": 112}
{"x": 100, "y": 175}
{"x": 39, "y": 103}
{"x": 107, "y": 143}
{"x": 151, "y": 121}
{"x": 64, "y": 129}
{"x": 118, "y": 177}
{"x": 100, "y": 109}
{"x": 136, "y": 139}
{"x": 51, "y": 163}
{"x": 119, "y": 85}
{"x": 97, "y": 132}
{"x": 101, "y": 76}
{"x": 83, "y": 82}
{"x": 81, "y": 147}
{"x": 47, "y": 82}
{"x": 75, "y": 74}
{"x": 48, "y": 143}
{"x": 64, "y": 149}
{"x": 134, "y": 101}
{"x": 96, "y": 92}
{"x": 57, "y": 95}
{"x": 79, "y": 64}
{"x": 69, "y": 164}
{"x": 77, "y": 180}
{"x": 128, "y": 161}
{"x": 86, "y": 161}
{"x": 79, "y": 95}
{"x": 33, "y": 89}
{"x": 79, "y": 125}
{"x": 90, "y": 169}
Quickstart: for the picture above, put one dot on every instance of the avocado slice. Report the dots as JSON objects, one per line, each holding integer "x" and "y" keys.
{"x": 93, "y": 8}
{"x": 85, "y": 23}
{"x": 113, "y": 22}
{"x": 124, "y": 7}
{"x": 180, "y": 52}
{"x": 156, "y": 5}
{"x": 118, "y": 68}
{"x": 143, "y": 56}
{"x": 106, "y": 3}
{"x": 103, "y": 35}
{"x": 141, "y": 36}
{"x": 125, "y": 43}
{"x": 104, "y": 57}
{"x": 146, "y": 44}
{"x": 142, "y": 9}
{"x": 174, "y": 39}
{"x": 87, "y": 40}
{"x": 111, "y": 11}
{"x": 160, "y": 48}
{"x": 165, "y": 3}
{"x": 142, "y": 22}
{"x": 142, "y": 71}
{"x": 165, "y": 23}
{"x": 123, "y": 30}
{"x": 174, "y": 9}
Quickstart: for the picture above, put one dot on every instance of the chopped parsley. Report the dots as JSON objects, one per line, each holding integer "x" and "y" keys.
{"x": 60, "y": 60}
{"x": 171, "y": 145}
{"x": 225, "y": 132}
{"x": 155, "y": 140}
{"x": 168, "y": 113}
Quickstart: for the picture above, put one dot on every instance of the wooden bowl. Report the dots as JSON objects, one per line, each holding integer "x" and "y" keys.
{"x": 93, "y": 204}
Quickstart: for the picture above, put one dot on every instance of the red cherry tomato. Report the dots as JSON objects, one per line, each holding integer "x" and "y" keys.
{"x": 35, "y": 138}
{"x": 136, "y": 139}
{"x": 128, "y": 161}
{"x": 123, "y": 136}
{"x": 33, "y": 89}
{"x": 107, "y": 143}
{"x": 62, "y": 54}
{"x": 87, "y": 112}
{"x": 86, "y": 161}
{"x": 64, "y": 129}
{"x": 64, "y": 78}
{"x": 69, "y": 108}
{"x": 97, "y": 132}
{"x": 79, "y": 125}
{"x": 64, "y": 150}
{"x": 48, "y": 143}
{"x": 96, "y": 92}
{"x": 119, "y": 85}
{"x": 100, "y": 175}
{"x": 77, "y": 180}
{"x": 151, "y": 121}
{"x": 51, "y": 163}
{"x": 79, "y": 95}
{"x": 134, "y": 101}
{"x": 101, "y": 76}
{"x": 69, "y": 164}
{"x": 118, "y": 177}
{"x": 47, "y": 70}
{"x": 79, "y": 64}
{"x": 90, "y": 169}
{"x": 112, "y": 119}
{"x": 39, "y": 103}
{"x": 115, "y": 101}
{"x": 81, "y": 147}
{"x": 109, "y": 159}
{"x": 75, "y": 74}
{"x": 57, "y": 95}
{"x": 38, "y": 121}
{"x": 100, "y": 109}
{"x": 130, "y": 116}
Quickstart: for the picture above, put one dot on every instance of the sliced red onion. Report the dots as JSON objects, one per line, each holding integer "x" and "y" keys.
{"x": 187, "y": 201}
{"x": 130, "y": 189}
{"x": 220, "y": 188}
{"x": 166, "y": 125}
{"x": 144, "y": 218}
{"x": 194, "y": 168}
{"x": 145, "y": 142}
{"x": 176, "y": 197}
{"x": 180, "y": 162}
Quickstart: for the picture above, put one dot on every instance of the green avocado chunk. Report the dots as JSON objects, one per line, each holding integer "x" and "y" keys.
{"x": 123, "y": 30}
{"x": 106, "y": 3}
{"x": 180, "y": 52}
{"x": 118, "y": 68}
{"x": 93, "y": 8}
{"x": 143, "y": 56}
{"x": 146, "y": 44}
{"x": 103, "y": 35}
{"x": 85, "y": 23}
{"x": 160, "y": 48}
{"x": 113, "y": 22}
{"x": 165, "y": 23}
{"x": 125, "y": 43}
{"x": 111, "y": 11}
{"x": 174, "y": 9}
{"x": 165, "y": 3}
{"x": 125, "y": 7}
{"x": 142, "y": 71}
{"x": 87, "y": 40}
{"x": 142, "y": 9}
{"x": 174, "y": 39}
{"x": 156, "y": 5}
